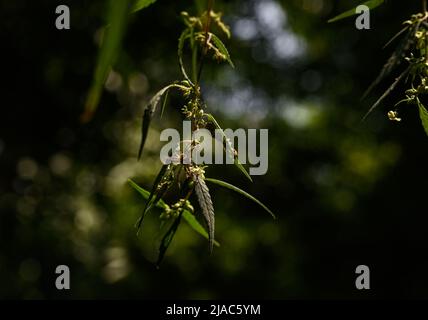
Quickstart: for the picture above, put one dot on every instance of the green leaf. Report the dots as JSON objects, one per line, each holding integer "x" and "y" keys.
{"x": 371, "y": 4}
{"x": 206, "y": 204}
{"x": 145, "y": 194}
{"x": 222, "y": 48}
{"x": 117, "y": 18}
{"x": 195, "y": 225}
{"x": 166, "y": 240}
{"x": 236, "y": 189}
{"x": 165, "y": 101}
{"x": 153, "y": 201}
{"x": 141, "y": 4}
{"x": 237, "y": 163}
{"x": 423, "y": 114}
{"x": 148, "y": 114}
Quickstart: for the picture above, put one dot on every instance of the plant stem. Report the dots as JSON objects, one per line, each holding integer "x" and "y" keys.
{"x": 194, "y": 59}
{"x": 207, "y": 28}
{"x": 424, "y": 6}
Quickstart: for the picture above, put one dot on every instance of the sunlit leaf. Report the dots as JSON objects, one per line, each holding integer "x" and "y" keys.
{"x": 195, "y": 225}
{"x": 236, "y": 189}
{"x": 423, "y": 114}
{"x": 206, "y": 204}
{"x": 222, "y": 48}
{"x": 117, "y": 18}
{"x": 371, "y": 4}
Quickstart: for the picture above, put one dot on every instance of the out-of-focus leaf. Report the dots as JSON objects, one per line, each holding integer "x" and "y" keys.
{"x": 206, "y": 204}
{"x": 237, "y": 163}
{"x": 236, "y": 189}
{"x": 141, "y": 4}
{"x": 117, "y": 18}
{"x": 195, "y": 225}
{"x": 423, "y": 114}
{"x": 166, "y": 240}
{"x": 371, "y": 4}
{"x": 222, "y": 48}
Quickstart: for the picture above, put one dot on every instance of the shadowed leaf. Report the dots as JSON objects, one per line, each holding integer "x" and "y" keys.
{"x": 166, "y": 240}
{"x": 151, "y": 201}
{"x": 148, "y": 114}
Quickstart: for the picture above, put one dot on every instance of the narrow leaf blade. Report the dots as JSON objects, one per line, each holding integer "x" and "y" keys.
{"x": 371, "y": 4}
{"x": 151, "y": 201}
{"x": 242, "y": 192}
{"x": 117, "y": 18}
{"x": 423, "y": 114}
{"x": 237, "y": 163}
{"x": 148, "y": 114}
{"x": 145, "y": 193}
{"x": 141, "y": 4}
{"x": 166, "y": 240}
{"x": 222, "y": 48}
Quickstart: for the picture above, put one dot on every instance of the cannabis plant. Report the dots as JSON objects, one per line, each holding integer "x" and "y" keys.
{"x": 188, "y": 177}
{"x": 411, "y": 55}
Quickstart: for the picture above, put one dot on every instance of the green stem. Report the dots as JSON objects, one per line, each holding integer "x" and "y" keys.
{"x": 194, "y": 58}
{"x": 207, "y": 29}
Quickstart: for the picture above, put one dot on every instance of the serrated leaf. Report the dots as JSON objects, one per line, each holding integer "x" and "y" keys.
{"x": 237, "y": 163}
{"x": 151, "y": 201}
{"x": 196, "y": 226}
{"x": 206, "y": 204}
{"x": 238, "y": 190}
{"x": 371, "y": 4}
{"x": 166, "y": 240}
{"x": 423, "y": 114}
{"x": 141, "y": 4}
{"x": 148, "y": 114}
{"x": 117, "y": 18}
{"x": 222, "y": 48}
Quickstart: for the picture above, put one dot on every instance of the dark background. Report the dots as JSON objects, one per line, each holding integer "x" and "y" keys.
{"x": 346, "y": 193}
